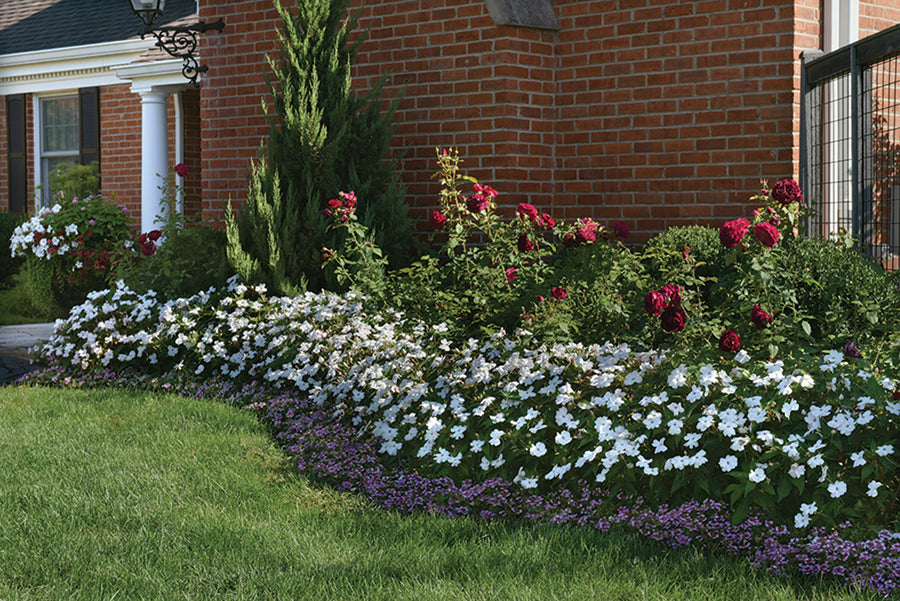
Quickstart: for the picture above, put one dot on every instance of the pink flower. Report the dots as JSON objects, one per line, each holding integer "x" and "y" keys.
{"x": 349, "y": 198}
{"x": 766, "y": 233}
{"x": 673, "y": 319}
{"x": 759, "y": 317}
{"x": 525, "y": 245}
{"x": 586, "y": 233}
{"x": 654, "y": 302}
{"x": 181, "y": 170}
{"x": 438, "y": 220}
{"x": 510, "y": 274}
{"x": 621, "y": 230}
{"x": 787, "y": 191}
{"x": 730, "y": 341}
{"x": 733, "y": 232}
{"x": 527, "y": 211}
{"x": 559, "y": 293}
{"x": 485, "y": 190}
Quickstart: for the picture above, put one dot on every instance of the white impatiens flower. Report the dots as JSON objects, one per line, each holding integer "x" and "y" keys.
{"x": 692, "y": 440}
{"x": 796, "y": 470}
{"x": 538, "y": 449}
{"x": 495, "y": 437}
{"x": 563, "y": 438}
{"x": 884, "y": 450}
{"x": 837, "y": 489}
{"x": 873, "y": 489}
{"x": 789, "y": 407}
{"x": 728, "y": 463}
{"x": 675, "y": 426}
{"x": 757, "y": 474}
{"x": 742, "y": 357}
{"x": 801, "y": 520}
{"x": 659, "y": 446}
{"x": 858, "y": 459}
{"x": 678, "y": 377}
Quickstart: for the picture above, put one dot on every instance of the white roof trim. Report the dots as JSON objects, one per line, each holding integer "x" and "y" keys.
{"x": 161, "y": 75}
{"x": 67, "y": 68}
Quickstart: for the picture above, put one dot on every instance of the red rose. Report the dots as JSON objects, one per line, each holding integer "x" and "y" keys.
{"x": 485, "y": 191}
{"x": 527, "y": 211}
{"x": 787, "y": 191}
{"x": 349, "y": 198}
{"x": 559, "y": 293}
{"x": 766, "y": 233}
{"x": 148, "y": 248}
{"x": 733, "y": 232}
{"x": 335, "y": 203}
{"x": 154, "y": 235}
{"x": 621, "y": 230}
{"x": 181, "y": 170}
{"x": 730, "y": 341}
{"x": 654, "y": 302}
{"x": 477, "y": 203}
{"x": 525, "y": 245}
{"x": 759, "y": 317}
{"x": 673, "y": 319}
{"x": 438, "y": 219}
{"x": 672, "y": 292}
{"x": 547, "y": 221}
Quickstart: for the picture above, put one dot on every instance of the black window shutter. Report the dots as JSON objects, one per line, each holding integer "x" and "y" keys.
{"x": 89, "y": 110}
{"x": 18, "y": 153}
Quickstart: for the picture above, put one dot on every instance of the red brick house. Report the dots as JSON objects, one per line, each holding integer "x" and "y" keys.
{"x": 655, "y": 112}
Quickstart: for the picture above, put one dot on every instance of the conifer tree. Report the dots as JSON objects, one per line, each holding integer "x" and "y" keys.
{"x": 324, "y": 137}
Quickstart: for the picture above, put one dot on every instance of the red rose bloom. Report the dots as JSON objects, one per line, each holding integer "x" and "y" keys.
{"x": 621, "y": 230}
{"x": 730, "y": 341}
{"x": 733, "y": 232}
{"x": 438, "y": 219}
{"x": 672, "y": 293}
{"x": 759, "y": 317}
{"x": 335, "y": 203}
{"x": 766, "y": 233}
{"x": 525, "y": 245}
{"x": 654, "y": 302}
{"x": 585, "y": 232}
{"x": 559, "y": 293}
{"x": 787, "y": 191}
{"x": 181, "y": 170}
{"x": 148, "y": 248}
{"x": 477, "y": 203}
{"x": 154, "y": 235}
{"x": 547, "y": 221}
{"x": 527, "y": 211}
{"x": 673, "y": 319}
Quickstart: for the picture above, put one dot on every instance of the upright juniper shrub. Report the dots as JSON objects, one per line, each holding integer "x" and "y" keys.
{"x": 324, "y": 137}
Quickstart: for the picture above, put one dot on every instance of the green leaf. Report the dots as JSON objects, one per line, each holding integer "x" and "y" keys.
{"x": 740, "y": 512}
{"x": 806, "y": 327}
{"x": 784, "y": 487}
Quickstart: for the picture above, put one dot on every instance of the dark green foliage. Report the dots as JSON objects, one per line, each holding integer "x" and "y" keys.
{"x": 665, "y": 252}
{"x": 606, "y": 284}
{"x": 191, "y": 259}
{"x": 9, "y": 265}
{"x": 323, "y": 138}
{"x": 33, "y": 295}
{"x": 75, "y": 181}
{"x": 851, "y": 299}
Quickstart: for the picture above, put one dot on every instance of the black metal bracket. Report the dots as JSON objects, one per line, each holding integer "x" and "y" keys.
{"x": 181, "y": 42}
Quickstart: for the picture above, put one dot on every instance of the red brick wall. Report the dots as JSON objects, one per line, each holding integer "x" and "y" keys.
{"x": 877, "y": 15}
{"x": 657, "y": 112}
{"x": 120, "y": 146}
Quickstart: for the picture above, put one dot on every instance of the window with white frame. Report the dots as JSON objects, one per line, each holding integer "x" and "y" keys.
{"x": 59, "y": 135}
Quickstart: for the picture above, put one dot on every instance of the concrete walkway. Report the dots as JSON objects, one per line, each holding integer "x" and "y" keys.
{"x": 16, "y": 343}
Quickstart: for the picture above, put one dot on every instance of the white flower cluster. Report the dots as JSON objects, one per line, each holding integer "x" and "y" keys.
{"x": 36, "y": 237}
{"x": 503, "y": 408}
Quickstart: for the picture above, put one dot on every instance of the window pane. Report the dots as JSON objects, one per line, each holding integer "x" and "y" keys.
{"x": 59, "y": 121}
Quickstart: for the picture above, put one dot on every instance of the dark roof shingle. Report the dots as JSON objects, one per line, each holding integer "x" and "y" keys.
{"x": 29, "y": 25}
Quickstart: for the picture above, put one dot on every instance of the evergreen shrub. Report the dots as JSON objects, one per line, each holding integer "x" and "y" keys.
{"x": 324, "y": 137}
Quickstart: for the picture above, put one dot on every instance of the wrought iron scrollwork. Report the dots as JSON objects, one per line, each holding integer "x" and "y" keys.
{"x": 181, "y": 42}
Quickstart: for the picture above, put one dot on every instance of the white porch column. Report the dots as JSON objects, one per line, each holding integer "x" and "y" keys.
{"x": 154, "y": 81}
{"x": 154, "y": 156}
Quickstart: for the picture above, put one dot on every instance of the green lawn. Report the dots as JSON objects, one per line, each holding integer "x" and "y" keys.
{"x": 129, "y": 495}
